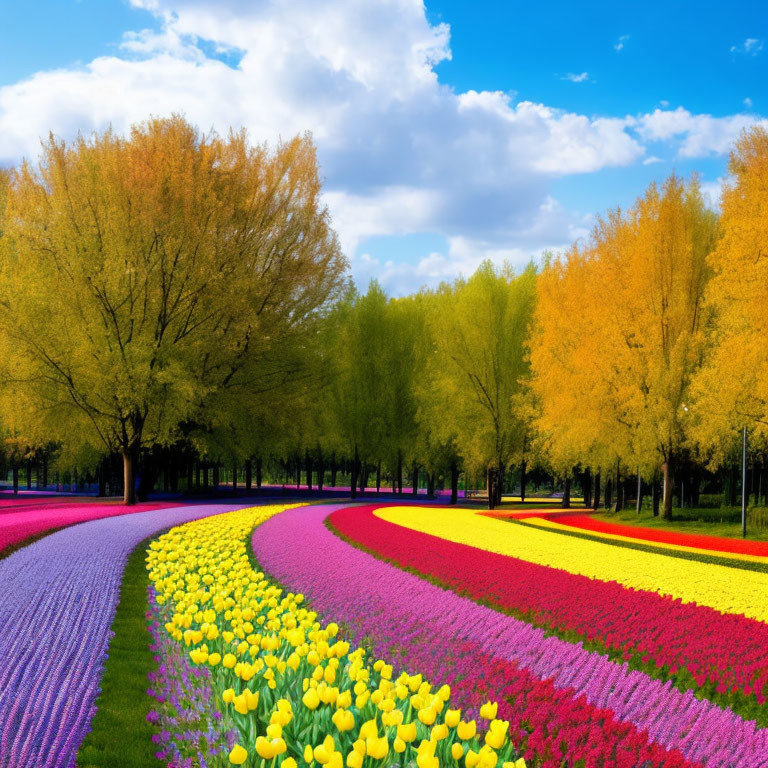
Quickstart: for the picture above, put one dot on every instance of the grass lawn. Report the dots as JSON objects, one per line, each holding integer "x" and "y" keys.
{"x": 706, "y": 527}
{"x": 120, "y": 735}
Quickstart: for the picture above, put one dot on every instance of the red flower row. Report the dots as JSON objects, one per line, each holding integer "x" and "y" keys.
{"x": 724, "y": 650}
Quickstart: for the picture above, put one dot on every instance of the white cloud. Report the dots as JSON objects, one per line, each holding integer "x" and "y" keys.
{"x": 582, "y": 77}
{"x": 620, "y": 42}
{"x": 400, "y": 152}
{"x": 747, "y": 102}
{"x": 698, "y": 135}
{"x": 750, "y": 47}
{"x": 651, "y": 159}
{"x": 712, "y": 191}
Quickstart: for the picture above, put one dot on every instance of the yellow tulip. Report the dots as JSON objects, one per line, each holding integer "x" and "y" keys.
{"x": 399, "y": 745}
{"x": 343, "y": 720}
{"x": 427, "y": 715}
{"x": 488, "y": 710}
{"x": 251, "y": 699}
{"x": 377, "y": 748}
{"x": 457, "y": 751}
{"x": 310, "y": 699}
{"x": 241, "y": 704}
{"x": 264, "y": 748}
{"x": 452, "y": 717}
{"x": 308, "y": 756}
{"x": 229, "y": 660}
{"x": 238, "y": 755}
{"x": 354, "y": 760}
{"x": 466, "y": 731}
{"x": 407, "y": 731}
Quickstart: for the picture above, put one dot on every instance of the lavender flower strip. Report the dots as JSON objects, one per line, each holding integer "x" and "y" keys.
{"x": 351, "y": 586}
{"x": 59, "y": 596}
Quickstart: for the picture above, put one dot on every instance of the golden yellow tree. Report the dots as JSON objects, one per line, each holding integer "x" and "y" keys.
{"x": 144, "y": 275}
{"x": 733, "y": 385}
{"x": 620, "y": 331}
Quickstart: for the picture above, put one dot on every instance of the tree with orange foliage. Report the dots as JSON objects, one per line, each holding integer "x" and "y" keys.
{"x": 620, "y": 332}
{"x": 733, "y": 385}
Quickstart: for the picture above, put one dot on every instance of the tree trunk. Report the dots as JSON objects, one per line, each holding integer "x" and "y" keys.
{"x": 29, "y": 475}
{"x": 378, "y": 477}
{"x": 491, "y": 485}
{"x": 655, "y": 495}
{"x": 415, "y": 480}
{"x": 430, "y": 485}
{"x": 308, "y": 467}
{"x": 102, "y": 474}
{"x": 399, "y": 475}
{"x": 320, "y": 470}
{"x": 567, "y": 493}
{"x": 586, "y": 486}
{"x": 258, "y": 472}
{"x": 499, "y": 484}
{"x": 596, "y": 494}
{"x": 129, "y": 477}
{"x": 353, "y": 478}
{"x": 732, "y": 486}
{"x": 639, "y": 501}
{"x": 234, "y": 477}
{"x": 523, "y": 467}
{"x": 608, "y": 494}
{"x": 363, "y": 476}
{"x": 248, "y": 474}
{"x": 333, "y": 469}
{"x": 15, "y": 479}
{"x": 668, "y": 473}
{"x": 454, "y": 483}
{"x": 619, "y": 489}
{"x": 45, "y": 471}
{"x": 216, "y": 476}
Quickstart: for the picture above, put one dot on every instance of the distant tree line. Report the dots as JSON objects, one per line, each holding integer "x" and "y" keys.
{"x": 175, "y": 307}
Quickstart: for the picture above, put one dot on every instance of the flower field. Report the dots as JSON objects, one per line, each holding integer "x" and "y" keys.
{"x": 59, "y": 595}
{"x": 357, "y": 636}
{"x": 26, "y": 519}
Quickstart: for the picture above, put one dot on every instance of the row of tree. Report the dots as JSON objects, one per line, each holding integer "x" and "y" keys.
{"x": 182, "y": 299}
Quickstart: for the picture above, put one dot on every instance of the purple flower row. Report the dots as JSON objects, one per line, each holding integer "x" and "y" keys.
{"x": 393, "y": 607}
{"x": 191, "y": 728}
{"x": 59, "y": 597}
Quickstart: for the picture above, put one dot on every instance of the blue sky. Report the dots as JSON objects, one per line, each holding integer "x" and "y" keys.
{"x": 446, "y": 135}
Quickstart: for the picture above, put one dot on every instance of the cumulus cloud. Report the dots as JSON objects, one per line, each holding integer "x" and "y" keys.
{"x": 400, "y": 152}
{"x": 619, "y": 45}
{"x": 698, "y": 135}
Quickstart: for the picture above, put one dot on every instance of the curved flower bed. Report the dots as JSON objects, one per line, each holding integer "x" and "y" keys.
{"x": 292, "y": 688}
{"x": 406, "y": 618}
{"x": 675, "y": 538}
{"x": 724, "y": 650}
{"x": 739, "y": 592}
{"x": 59, "y": 597}
{"x": 21, "y": 524}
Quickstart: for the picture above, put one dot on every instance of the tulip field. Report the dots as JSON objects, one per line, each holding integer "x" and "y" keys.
{"x": 364, "y": 635}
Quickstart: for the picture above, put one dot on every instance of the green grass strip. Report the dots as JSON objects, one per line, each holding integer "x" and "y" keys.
{"x": 743, "y": 565}
{"x": 120, "y": 735}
